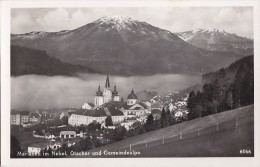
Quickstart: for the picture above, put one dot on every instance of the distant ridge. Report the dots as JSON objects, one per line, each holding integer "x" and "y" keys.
{"x": 218, "y": 40}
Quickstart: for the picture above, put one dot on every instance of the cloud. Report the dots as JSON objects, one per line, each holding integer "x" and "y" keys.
{"x": 54, "y": 20}
{"x": 237, "y": 20}
{"x": 22, "y": 23}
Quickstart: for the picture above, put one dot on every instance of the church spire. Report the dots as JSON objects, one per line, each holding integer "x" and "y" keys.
{"x": 107, "y": 82}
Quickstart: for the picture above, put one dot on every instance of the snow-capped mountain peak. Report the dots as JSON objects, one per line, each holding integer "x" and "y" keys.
{"x": 217, "y": 40}
{"x": 117, "y": 22}
{"x": 115, "y": 19}
{"x": 209, "y": 30}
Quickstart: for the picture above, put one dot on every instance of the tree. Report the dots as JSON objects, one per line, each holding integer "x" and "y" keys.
{"x": 215, "y": 105}
{"x": 198, "y": 111}
{"x": 149, "y": 125}
{"x": 229, "y": 99}
{"x": 118, "y": 133}
{"x": 108, "y": 121}
{"x": 15, "y": 146}
{"x": 82, "y": 128}
{"x": 65, "y": 120}
{"x": 191, "y": 103}
{"x": 217, "y": 90}
{"x": 169, "y": 118}
{"x": 141, "y": 130}
{"x": 96, "y": 142}
{"x": 85, "y": 144}
{"x": 98, "y": 126}
{"x": 163, "y": 119}
{"x": 247, "y": 88}
{"x": 92, "y": 127}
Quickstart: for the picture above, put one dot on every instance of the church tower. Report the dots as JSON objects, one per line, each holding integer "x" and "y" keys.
{"x": 107, "y": 94}
{"x": 115, "y": 95}
{"x": 99, "y": 100}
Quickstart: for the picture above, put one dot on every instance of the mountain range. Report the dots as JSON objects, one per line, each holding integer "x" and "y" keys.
{"x": 123, "y": 46}
{"x": 218, "y": 40}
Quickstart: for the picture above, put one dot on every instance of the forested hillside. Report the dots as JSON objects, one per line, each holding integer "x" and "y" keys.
{"x": 228, "y": 88}
{"x": 30, "y": 61}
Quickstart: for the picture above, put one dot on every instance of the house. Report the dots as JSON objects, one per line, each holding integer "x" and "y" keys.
{"x": 157, "y": 105}
{"x": 34, "y": 118}
{"x": 148, "y": 104}
{"x": 67, "y": 134}
{"x": 88, "y": 106}
{"x": 35, "y": 149}
{"x": 156, "y": 113}
{"x": 49, "y": 135}
{"x": 110, "y": 127}
{"x": 15, "y": 118}
{"x": 20, "y": 117}
{"x": 127, "y": 125}
{"x": 54, "y": 145}
{"x": 64, "y": 114}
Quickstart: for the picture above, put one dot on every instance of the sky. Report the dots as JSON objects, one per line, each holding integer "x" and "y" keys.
{"x": 238, "y": 20}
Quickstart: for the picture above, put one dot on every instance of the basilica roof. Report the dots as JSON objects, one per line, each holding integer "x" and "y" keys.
{"x": 137, "y": 106}
{"x": 100, "y": 112}
{"x": 132, "y": 95}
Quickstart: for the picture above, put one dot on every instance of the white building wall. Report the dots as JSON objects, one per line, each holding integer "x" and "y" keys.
{"x": 99, "y": 100}
{"x": 118, "y": 119}
{"x": 116, "y": 98}
{"x": 77, "y": 120}
{"x": 107, "y": 94}
{"x": 15, "y": 119}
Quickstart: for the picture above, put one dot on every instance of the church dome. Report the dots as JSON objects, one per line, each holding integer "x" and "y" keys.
{"x": 132, "y": 95}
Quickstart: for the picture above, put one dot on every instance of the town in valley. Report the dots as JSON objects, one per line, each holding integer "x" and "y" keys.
{"x": 59, "y": 128}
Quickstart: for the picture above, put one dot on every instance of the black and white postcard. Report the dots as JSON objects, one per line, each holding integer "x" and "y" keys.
{"x": 173, "y": 81}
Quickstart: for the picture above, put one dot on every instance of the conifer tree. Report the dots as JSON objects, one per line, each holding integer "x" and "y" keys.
{"x": 163, "y": 119}
{"x": 149, "y": 125}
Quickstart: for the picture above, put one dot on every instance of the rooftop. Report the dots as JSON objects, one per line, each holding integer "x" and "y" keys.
{"x": 132, "y": 95}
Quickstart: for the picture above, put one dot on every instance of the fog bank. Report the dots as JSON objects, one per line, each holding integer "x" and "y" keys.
{"x": 34, "y": 91}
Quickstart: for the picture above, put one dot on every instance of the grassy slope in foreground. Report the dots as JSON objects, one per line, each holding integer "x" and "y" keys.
{"x": 227, "y": 142}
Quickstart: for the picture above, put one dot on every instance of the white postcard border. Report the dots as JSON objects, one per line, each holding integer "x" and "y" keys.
{"x": 5, "y": 88}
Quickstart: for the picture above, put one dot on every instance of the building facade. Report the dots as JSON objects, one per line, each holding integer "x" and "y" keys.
{"x": 133, "y": 108}
{"x": 98, "y": 115}
{"x": 67, "y": 134}
{"x": 20, "y": 117}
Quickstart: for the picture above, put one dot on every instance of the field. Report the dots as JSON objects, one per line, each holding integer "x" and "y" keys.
{"x": 222, "y": 134}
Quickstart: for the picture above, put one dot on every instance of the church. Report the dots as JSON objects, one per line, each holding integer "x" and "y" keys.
{"x": 107, "y": 95}
{"x": 107, "y": 103}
